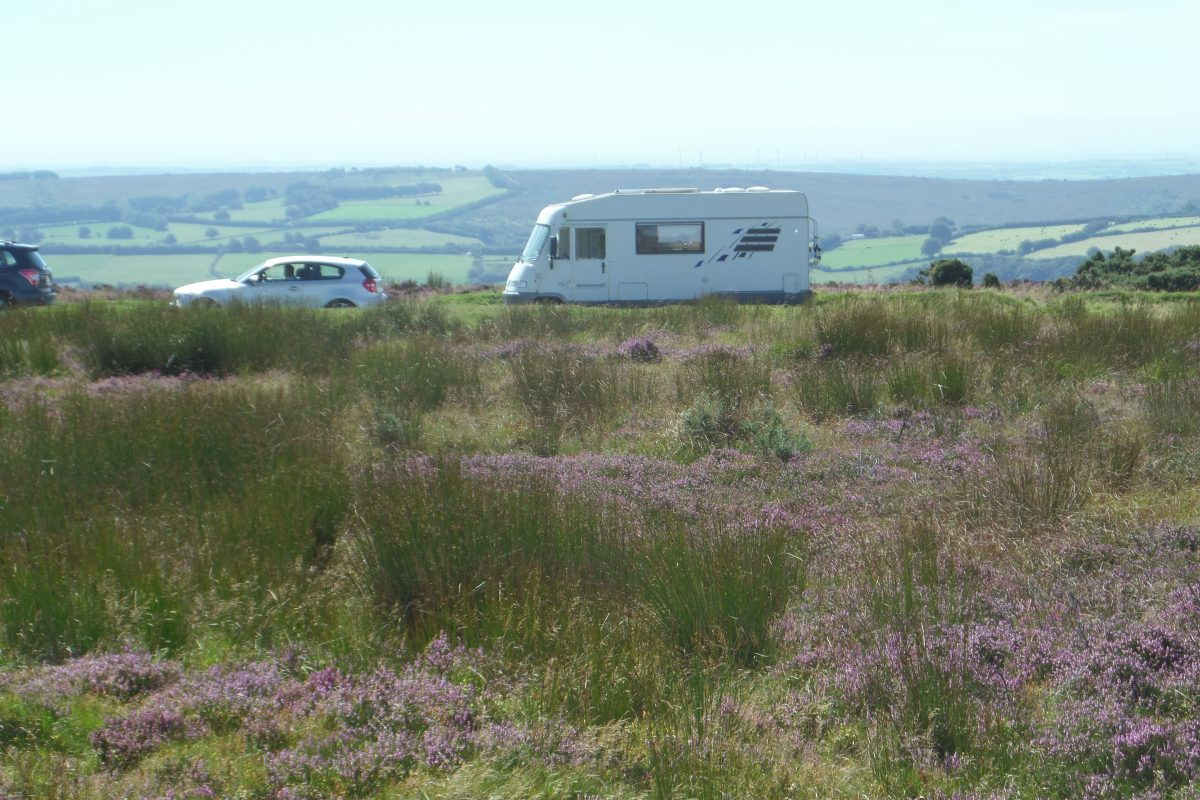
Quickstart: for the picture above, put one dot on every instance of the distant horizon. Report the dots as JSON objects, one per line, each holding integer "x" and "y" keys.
{"x": 1012, "y": 169}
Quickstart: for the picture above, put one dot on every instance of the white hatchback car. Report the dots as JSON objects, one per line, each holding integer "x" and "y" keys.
{"x": 314, "y": 281}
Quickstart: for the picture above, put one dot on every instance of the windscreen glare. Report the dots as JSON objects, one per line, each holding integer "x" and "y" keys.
{"x": 537, "y": 240}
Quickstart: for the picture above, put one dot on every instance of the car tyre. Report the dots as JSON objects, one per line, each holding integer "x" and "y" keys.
{"x": 339, "y": 303}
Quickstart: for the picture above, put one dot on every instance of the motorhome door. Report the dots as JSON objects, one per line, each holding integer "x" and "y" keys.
{"x": 591, "y": 264}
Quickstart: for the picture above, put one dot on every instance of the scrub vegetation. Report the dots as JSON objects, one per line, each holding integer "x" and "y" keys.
{"x": 892, "y": 544}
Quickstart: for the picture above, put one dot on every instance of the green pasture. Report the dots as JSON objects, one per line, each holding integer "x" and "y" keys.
{"x": 1160, "y": 222}
{"x": 879, "y": 274}
{"x": 399, "y": 237}
{"x": 69, "y": 234}
{"x": 266, "y": 211}
{"x": 1146, "y": 242}
{"x": 156, "y": 270}
{"x": 992, "y": 241}
{"x": 455, "y": 192}
{"x": 417, "y": 266}
{"x": 872, "y": 252}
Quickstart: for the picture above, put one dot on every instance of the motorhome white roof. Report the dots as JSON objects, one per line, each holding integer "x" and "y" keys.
{"x": 757, "y": 201}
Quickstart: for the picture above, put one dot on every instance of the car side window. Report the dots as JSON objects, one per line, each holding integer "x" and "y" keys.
{"x": 329, "y": 272}
{"x": 6, "y": 260}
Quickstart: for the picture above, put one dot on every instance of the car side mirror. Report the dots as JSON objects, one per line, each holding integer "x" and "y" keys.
{"x": 554, "y": 247}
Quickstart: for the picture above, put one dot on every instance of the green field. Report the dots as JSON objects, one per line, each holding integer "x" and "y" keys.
{"x": 399, "y": 237}
{"x": 69, "y": 234}
{"x": 173, "y": 270}
{"x": 455, "y": 192}
{"x": 1161, "y": 222}
{"x": 417, "y": 266}
{"x": 266, "y": 211}
{"x": 873, "y": 252}
{"x": 1146, "y": 242}
{"x": 1007, "y": 238}
{"x": 176, "y": 270}
{"x": 878, "y": 274}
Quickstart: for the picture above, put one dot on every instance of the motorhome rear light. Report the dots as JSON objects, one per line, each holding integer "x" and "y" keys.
{"x": 369, "y": 285}
{"x": 31, "y": 275}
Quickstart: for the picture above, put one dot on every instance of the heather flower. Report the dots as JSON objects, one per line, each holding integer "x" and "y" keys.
{"x": 641, "y": 349}
{"x": 119, "y": 675}
{"x": 122, "y": 741}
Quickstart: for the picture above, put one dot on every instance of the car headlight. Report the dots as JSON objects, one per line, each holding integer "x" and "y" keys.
{"x": 514, "y": 285}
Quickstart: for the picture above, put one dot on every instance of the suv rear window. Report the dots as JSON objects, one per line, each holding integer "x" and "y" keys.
{"x": 368, "y": 271}
{"x": 22, "y": 259}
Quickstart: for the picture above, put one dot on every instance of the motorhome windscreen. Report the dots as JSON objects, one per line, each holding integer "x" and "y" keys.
{"x": 672, "y": 237}
{"x": 537, "y": 240}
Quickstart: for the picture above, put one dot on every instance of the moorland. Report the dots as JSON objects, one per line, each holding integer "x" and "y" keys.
{"x": 894, "y": 543}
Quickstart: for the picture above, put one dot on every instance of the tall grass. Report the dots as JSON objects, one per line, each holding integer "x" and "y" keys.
{"x": 443, "y": 551}
{"x": 126, "y": 512}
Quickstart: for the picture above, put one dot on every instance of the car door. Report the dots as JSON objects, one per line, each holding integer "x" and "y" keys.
{"x": 313, "y": 285}
{"x": 276, "y": 287}
{"x": 591, "y": 264}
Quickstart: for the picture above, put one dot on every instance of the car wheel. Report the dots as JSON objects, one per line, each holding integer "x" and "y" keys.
{"x": 339, "y": 304}
{"x": 7, "y": 301}
{"x": 547, "y": 301}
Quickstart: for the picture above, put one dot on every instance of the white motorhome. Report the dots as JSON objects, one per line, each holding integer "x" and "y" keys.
{"x": 663, "y": 245}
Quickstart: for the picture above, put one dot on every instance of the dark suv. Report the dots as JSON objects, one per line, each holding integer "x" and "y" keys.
{"x": 24, "y": 277}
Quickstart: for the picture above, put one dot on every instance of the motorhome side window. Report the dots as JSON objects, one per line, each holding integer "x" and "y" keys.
{"x": 589, "y": 243}
{"x": 564, "y": 242}
{"x": 670, "y": 237}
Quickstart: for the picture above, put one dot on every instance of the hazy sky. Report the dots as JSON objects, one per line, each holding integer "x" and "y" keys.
{"x": 621, "y": 81}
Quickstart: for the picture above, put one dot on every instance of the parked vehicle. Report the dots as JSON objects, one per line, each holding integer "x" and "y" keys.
{"x": 663, "y": 245}
{"x": 24, "y": 277}
{"x": 314, "y": 281}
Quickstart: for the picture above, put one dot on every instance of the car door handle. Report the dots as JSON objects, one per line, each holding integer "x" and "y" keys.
{"x": 602, "y": 268}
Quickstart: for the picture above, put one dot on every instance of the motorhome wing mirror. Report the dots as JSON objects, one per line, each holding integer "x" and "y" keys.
{"x": 553, "y": 247}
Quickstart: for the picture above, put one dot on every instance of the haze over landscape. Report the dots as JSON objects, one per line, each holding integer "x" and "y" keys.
{"x": 226, "y": 84}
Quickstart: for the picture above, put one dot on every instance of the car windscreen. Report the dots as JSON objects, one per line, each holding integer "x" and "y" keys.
{"x": 537, "y": 240}
{"x": 245, "y": 275}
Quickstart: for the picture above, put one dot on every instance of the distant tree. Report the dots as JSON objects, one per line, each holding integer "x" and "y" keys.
{"x": 251, "y": 244}
{"x": 221, "y": 215}
{"x": 119, "y": 232}
{"x": 256, "y": 194}
{"x": 831, "y": 241}
{"x": 211, "y": 233}
{"x": 990, "y": 281}
{"x": 30, "y": 234}
{"x": 931, "y": 246}
{"x": 941, "y": 231}
{"x": 312, "y": 244}
{"x": 169, "y": 239}
{"x": 84, "y": 232}
{"x": 948, "y": 272}
{"x": 235, "y": 246}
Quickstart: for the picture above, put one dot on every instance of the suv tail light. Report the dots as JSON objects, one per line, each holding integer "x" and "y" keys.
{"x": 369, "y": 285}
{"x": 31, "y": 275}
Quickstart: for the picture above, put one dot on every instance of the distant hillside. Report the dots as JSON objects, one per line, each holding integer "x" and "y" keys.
{"x": 841, "y": 202}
